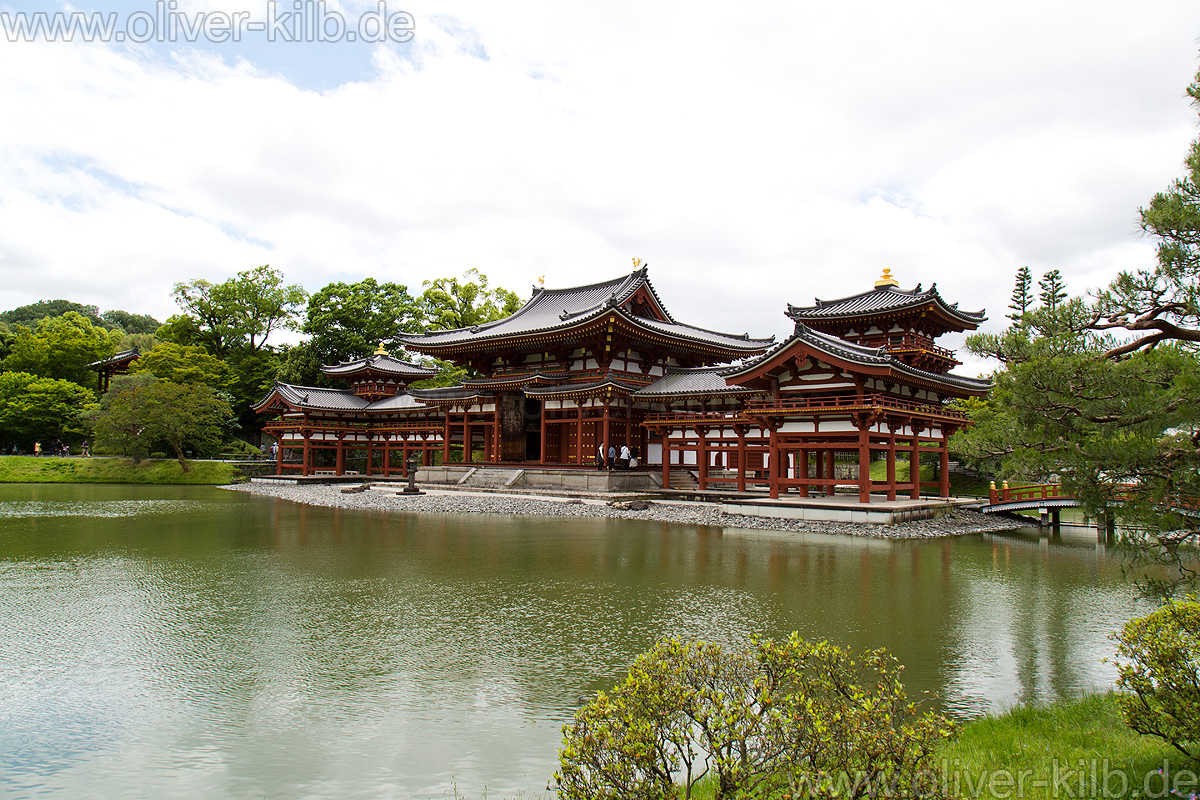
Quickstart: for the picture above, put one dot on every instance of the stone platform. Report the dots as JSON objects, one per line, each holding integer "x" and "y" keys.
{"x": 880, "y": 511}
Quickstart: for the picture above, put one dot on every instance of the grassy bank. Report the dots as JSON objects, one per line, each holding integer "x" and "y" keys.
{"x": 30, "y": 469}
{"x": 1079, "y": 748}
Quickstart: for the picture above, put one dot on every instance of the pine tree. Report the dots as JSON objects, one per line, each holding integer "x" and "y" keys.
{"x": 1022, "y": 297}
{"x": 1053, "y": 292}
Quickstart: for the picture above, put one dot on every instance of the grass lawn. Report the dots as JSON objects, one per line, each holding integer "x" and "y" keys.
{"x": 49, "y": 469}
{"x": 1079, "y": 748}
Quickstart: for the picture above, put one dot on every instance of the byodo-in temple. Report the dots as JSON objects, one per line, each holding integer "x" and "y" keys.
{"x": 860, "y": 380}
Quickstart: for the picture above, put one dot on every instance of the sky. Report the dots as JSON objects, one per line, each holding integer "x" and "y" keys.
{"x": 752, "y": 155}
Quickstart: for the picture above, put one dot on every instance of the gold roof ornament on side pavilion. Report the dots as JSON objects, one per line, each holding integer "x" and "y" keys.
{"x": 886, "y": 279}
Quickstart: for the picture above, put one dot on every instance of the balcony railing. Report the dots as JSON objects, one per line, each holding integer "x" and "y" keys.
{"x": 808, "y": 405}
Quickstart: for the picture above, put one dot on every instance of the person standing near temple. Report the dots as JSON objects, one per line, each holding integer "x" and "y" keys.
{"x": 623, "y": 461}
{"x": 37, "y": 448}
{"x": 612, "y": 456}
{"x": 600, "y": 456}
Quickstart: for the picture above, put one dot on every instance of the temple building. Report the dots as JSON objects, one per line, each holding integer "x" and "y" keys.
{"x": 860, "y": 380}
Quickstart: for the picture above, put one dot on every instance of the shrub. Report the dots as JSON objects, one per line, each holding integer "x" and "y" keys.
{"x": 1162, "y": 674}
{"x": 795, "y": 718}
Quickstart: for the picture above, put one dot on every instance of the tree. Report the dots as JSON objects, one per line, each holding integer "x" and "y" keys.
{"x": 1053, "y": 292}
{"x": 32, "y": 314}
{"x": 796, "y": 718}
{"x": 139, "y": 412}
{"x": 130, "y": 323}
{"x": 1160, "y": 659}
{"x": 1161, "y": 303}
{"x": 450, "y": 303}
{"x": 1121, "y": 434}
{"x": 61, "y": 347}
{"x": 348, "y": 321}
{"x": 1022, "y": 296}
{"x": 242, "y": 312}
{"x": 34, "y": 408}
{"x": 177, "y": 364}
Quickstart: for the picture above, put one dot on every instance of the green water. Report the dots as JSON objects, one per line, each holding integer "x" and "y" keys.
{"x": 195, "y": 642}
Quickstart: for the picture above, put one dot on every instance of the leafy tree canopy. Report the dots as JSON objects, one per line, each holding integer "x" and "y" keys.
{"x": 183, "y": 364}
{"x": 61, "y": 347}
{"x": 138, "y": 413}
{"x": 450, "y": 303}
{"x": 32, "y": 314}
{"x": 34, "y": 408}
{"x": 130, "y": 323}
{"x": 348, "y": 321}
{"x": 240, "y": 313}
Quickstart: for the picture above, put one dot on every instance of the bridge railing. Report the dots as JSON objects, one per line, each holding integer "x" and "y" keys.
{"x": 1037, "y": 491}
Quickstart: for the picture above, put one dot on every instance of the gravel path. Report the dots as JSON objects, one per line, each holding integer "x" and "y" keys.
{"x": 956, "y": 523}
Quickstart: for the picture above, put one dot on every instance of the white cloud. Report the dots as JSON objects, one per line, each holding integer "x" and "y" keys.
{"x": 753, "y": 156}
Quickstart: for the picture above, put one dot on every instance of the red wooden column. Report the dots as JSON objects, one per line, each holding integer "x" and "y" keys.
{"x": 370, "y": 455}
{"x": 891, "y": 463}
{"x": 579, "y": 432}
{"x": 802, "y": 467}
{"x": 666, "y": 457}
{"x": 307, "y": 458}
{"x": 944, "y": 465}
{"x": 741, "y": 451}
{"x": 701, "y": 457}
{"x": 864, "y": 462}
{"x": 775, "y": 464}
{"x": 279, "y": 455}
{"x": 340, "y": 468}
{"x": 604, "y": 431}
{"x": 446, "y": 436}
{"x": 542, "y": 445}
{"x": 830, "y": 473}
{"x": 914, "y": 460}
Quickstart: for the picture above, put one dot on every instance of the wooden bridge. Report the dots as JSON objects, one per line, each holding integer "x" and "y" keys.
{"x": 1050, "y": 498}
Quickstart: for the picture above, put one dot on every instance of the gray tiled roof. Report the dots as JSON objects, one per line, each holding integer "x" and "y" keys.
{"x": 124, "y": 355}
{"x": 381, "y": 363}
{"x": 448, "y": 393}
{"x": 879, "y": 300}
{"x": 553, "y": 309}
{"x": 858, "y": 354}
{"x": 399, "y": 402}
{"x": 575, "y": 388}
{"x": 678, "y": 382}
{"x": 316, "y": 398}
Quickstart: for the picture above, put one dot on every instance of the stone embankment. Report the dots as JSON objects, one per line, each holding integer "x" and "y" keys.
{"x": 954, "y": 523}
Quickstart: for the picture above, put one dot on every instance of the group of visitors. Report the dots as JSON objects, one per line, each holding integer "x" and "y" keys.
{"x": 613, "y": 457}
{"x": 56, "y": 448}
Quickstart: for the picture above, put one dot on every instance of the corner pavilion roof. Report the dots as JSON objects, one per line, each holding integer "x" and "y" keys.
{"x": 868, "y": 357}
{"x": 688, "y": 382}
{"x": 554, "y": 310}
{"x": 885, "y": 300}
{"x": 381, "y": 363}
{"x": 315, "y": 398}
{"x": 121, "y": 358}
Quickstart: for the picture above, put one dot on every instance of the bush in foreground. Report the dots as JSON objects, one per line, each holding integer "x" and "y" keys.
{"x": 1162, "y": 675}
{"x": 792, "y": 718}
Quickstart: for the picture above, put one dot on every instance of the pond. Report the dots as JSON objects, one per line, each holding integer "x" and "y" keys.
{"x": 196, "y": 642}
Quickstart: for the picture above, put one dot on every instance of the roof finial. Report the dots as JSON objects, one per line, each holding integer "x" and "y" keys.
{"x": 637, "y": 262}
{"x": 381, "y": 350}
{"x": 886, "y": 279}
{"x": 541, "y": 280}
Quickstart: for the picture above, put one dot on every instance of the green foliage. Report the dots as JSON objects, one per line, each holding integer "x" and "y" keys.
{"x": 1160, "y": 665}
{"x": 348, "y": 321}
{"x": 805, "y": 719}
{"x": 27, "y": 469}
{"x": 1053, "y": 292}
{"x": 139, "y": 413}
{"x": 7, "y": 338}
{"x": 32, "y": 314}
{"x": 183, "y": 364}
{"x": 449, "y": 374}
{"x": 130, "y": 323}
{"x": 449, "y": 303}
{"x": 1022, "y": 296}
{"x": 61, "y": 347}
{"x": 1078, "y": 748}
{"x": 33, "y": 408}
{"x": 241, "y": 312}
